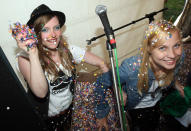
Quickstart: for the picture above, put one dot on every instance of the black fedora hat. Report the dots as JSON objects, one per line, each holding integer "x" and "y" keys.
{"x": 42, "y": 10}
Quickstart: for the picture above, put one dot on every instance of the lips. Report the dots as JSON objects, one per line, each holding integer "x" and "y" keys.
{"x": 170, "y": 62}
{"x": 52, "y": 41}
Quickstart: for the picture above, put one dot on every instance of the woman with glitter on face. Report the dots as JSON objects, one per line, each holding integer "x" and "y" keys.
{"x": 49, "y": 67}
{"x": 145, "y": 76}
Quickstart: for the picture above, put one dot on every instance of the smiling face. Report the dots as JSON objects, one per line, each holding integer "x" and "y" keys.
{"x": 50, "y": 33}
{"x": 166, "y": 54}
{"x": 160, "y": 51}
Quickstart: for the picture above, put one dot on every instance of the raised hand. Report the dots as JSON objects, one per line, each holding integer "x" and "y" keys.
{"x": 25, "y": 37}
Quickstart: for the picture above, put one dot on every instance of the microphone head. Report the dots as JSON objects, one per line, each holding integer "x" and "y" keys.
{"x": 100, "y": 9}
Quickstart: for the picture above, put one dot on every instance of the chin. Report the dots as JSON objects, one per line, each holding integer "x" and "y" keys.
{"x": 169, "y": 67}
{"x": 52, "y": 46}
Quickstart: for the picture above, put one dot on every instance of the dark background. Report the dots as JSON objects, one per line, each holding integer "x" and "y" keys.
{"x": 16, "y": 112}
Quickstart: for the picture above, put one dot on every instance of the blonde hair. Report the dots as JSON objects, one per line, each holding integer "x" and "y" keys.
{"x": 47, "y": 63}
{"x": 156, "y": 34}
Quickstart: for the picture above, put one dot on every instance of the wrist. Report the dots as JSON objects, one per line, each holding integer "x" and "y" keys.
{"x": 104, "y": 67}
{"x": 33, "y": 56}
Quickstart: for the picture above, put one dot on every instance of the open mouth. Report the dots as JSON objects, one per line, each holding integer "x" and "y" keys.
{"x": 170, "y": 62}
{"x": 52, "y": 41}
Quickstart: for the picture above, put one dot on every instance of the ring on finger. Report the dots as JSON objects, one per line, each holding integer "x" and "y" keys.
{"x": 27, "y": 48}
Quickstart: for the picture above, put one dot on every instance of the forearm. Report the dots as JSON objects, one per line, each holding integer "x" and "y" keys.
{"x": 37, "y": 83}
{"x": 102, "y": 107}
{"x": 102, "y": 84}
{"x": 95, "y": 60}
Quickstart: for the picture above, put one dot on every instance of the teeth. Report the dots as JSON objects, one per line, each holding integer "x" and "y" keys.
{"x": 53, "y": 41}
{"x": 169, "y": 60}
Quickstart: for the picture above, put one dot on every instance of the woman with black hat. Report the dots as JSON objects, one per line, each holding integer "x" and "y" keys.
{"x": 49, "y": 67}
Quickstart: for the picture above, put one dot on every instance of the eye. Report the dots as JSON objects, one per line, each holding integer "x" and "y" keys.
{"x": 162, "y": 48}
{"x": 44, "y": 30}
{"x": 57, "y": 27}
{"x": 177, "y": 45}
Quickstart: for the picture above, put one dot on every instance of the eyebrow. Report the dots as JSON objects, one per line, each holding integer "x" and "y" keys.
{"x": 178, "y": 41}
{"x": 174, "y": 42}
{"x": 53, "y": 26}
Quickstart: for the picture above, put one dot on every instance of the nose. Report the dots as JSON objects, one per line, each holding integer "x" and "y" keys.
{"x": 53, "y": 34}
{"x": 171, "y": 53}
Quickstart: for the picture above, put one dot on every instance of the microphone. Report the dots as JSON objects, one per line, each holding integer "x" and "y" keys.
{"x": 101, "y": 12}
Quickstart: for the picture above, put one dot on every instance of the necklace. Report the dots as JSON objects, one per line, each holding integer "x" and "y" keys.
{"x": 47, "y": 49}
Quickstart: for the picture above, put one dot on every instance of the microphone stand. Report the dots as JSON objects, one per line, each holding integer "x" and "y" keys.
{"x": 149, "y": 16}
{"x": 116, "y": 89}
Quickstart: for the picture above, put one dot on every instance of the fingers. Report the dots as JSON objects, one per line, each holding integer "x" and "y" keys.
{"x": 20, "y": 41}
{"x": 106, "y": 127}
{"x": 25, "y": 44}
{"x": 103, "y": 127}
{"x": 181, "y": 91}
{"x": 102, "y": 123}
{"x": 20, "y": 37}
{"x": 124, "y": 98}
{"x": 100, "y": 128}
{"x": 25, "y": 37}
{"x": 180, "y": 88}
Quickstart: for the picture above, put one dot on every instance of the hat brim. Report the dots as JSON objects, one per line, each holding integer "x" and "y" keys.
{"x": 60, "y": 15}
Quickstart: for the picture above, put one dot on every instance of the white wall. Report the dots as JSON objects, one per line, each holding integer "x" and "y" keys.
{"x": 82, "y": 23}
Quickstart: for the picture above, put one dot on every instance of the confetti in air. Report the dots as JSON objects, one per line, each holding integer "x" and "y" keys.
{"x": 28, "y": 34}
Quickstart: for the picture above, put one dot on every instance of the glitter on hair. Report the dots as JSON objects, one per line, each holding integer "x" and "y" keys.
{"x": 154, "y": 28}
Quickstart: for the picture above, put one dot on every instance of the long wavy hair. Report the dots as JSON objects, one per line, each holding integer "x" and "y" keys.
{"x": 47, "y": 63}
{"x": 156, "y": 34}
